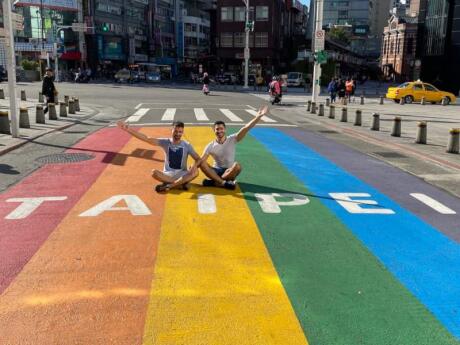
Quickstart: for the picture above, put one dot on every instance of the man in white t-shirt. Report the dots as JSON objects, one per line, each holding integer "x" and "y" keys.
{"x": 175, "y": 172}
{"x": 225, "y": 169}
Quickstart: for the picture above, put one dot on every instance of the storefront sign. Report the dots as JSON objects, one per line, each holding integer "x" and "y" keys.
{"x": 61, "y": 5}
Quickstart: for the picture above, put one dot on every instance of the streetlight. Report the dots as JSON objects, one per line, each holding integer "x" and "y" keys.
{"x": 248, "y": 27}
{"x": 317, "y": 66}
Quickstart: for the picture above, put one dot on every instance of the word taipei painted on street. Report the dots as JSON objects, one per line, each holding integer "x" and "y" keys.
{"x": 316, "y": 246}
{"x": 269, "y": 203}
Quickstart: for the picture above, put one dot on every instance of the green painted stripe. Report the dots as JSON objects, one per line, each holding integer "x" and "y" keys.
{"x": 341, "y": 293}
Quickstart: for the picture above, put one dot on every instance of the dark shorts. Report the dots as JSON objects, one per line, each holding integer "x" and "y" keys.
{"x": 220, "y": 171}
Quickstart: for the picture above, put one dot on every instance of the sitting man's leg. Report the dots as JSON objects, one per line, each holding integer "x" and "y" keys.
{"x": 215, "y": 177}
{"x": 231, "y": 173}
{"x": 174, "y": 179}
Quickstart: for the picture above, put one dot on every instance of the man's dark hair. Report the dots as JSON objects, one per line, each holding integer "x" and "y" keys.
{"x": 179, "y": 124}
{"x": 49, "y": 69}
{"x": 217, "y": 123}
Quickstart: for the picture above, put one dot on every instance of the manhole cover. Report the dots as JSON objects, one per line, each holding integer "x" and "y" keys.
{"x": 389, "y": 154}
{"x": 62, "y": 158}
{"x": 326, "y": 131}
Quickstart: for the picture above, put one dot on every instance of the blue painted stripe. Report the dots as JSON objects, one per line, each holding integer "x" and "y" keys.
{"x": 422, "y": 258}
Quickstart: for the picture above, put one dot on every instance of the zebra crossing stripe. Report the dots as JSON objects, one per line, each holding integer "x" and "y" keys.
{"x": 264, "y": 119}
{"x": 169, "y": 114}
{"x": 200, "y": 114}
{"x": 232, "y": 117}
{"x": 138, "y": 115}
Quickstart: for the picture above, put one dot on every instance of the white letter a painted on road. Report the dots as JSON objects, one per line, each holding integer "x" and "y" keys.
{"x": 133, "y": 204}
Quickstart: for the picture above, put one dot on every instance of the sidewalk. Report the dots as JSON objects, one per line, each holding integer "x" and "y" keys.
{"x": 8, "y": 143}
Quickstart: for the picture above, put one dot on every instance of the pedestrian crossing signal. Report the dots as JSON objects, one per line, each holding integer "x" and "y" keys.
{"x": 105, "y": 27}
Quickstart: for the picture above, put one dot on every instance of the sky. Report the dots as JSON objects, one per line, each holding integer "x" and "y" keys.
{"x": 305, "y": 2}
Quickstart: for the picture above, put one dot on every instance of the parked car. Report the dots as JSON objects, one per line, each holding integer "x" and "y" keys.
{"x": 152, "y": 77}
{"x": 123, "y": 76}
{"x": 416, "y": 90}
{"x": 296, "y": 79}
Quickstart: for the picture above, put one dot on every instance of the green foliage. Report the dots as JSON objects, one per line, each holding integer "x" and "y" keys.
{"x": 339, "y": 34}
{"x": 28, "y": 65}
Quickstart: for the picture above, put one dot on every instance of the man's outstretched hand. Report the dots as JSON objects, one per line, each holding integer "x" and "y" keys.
{"x": 262, "y": 111}
{"x": 122, "y": 125}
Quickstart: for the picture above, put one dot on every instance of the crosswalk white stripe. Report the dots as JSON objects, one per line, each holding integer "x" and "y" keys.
{"x": 138, "y": 115}
{"x": 200, "y": 114}
{"x": 264, "y": 119}
{"x": 231, "y": 115}
{"x": 169, "y": 114}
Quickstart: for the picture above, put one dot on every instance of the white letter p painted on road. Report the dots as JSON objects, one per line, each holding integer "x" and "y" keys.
{"x": 269, "y": 204}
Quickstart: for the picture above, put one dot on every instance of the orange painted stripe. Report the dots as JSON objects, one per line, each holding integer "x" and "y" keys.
{"x": 89, "y": 283}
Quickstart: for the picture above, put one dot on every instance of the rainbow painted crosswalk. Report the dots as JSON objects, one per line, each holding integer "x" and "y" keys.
{"x": 316, "y": 246}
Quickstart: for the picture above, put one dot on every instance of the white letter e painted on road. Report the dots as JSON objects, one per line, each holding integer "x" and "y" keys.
{"x": 354, "y": 206}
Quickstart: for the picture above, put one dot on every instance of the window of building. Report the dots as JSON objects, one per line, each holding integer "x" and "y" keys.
{"x": 239, "y": 39}
{"x": 240, "y": 14}
{"x": 226, "y": 39}
{"x": 226, "y": 14}
{"x": 261, "y": 13}
{"x": 261, "y": 39}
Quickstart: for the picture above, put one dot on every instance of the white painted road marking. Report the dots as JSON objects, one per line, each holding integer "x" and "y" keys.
{"x": 269, "y": 204}
{"x": 264, "y": 119}
{"x": 230, "y": 115}
{"x": 133, "y": 204}
{"x": 206, "y": 204}
{"x": 28, "y": 205}
{"x": 169, "y": 114}
{"x": 354, "y": 205}
{"x": 138, "y": 106}
{"x": 138, "y": 115}
{"x": 434, "y": 204}
{"x": 200, "y": 114}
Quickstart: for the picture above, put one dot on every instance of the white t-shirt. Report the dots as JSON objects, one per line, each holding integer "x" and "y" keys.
{"x": 223, "y": 154}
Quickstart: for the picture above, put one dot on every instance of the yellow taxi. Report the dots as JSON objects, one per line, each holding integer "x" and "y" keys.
{"x": 414, "y": 92}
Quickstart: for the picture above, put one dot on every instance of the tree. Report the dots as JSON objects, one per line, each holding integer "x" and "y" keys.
{"x": 339, "y": 34}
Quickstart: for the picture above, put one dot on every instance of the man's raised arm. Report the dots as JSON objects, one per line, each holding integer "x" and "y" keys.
{"x": 243, "y": 131}
{"x": 124, "y": 126}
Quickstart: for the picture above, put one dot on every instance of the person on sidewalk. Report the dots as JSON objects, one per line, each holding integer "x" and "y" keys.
{"x": 206, "y": 82}
{"x": 48, "y": 89}
{"x": 175, "y": 172}
{"x": 222, "y": 150}
{"x": 332, "y": 89}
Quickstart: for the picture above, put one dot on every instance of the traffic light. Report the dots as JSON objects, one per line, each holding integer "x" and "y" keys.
{"x": 105, "y": 27}
{"x": 250, "y": 26}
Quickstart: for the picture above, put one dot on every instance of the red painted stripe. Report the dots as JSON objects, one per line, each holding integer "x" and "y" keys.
{"x": 21, "y": 238}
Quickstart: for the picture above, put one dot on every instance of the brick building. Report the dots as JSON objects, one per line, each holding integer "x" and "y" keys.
{"x": 398, "y": 57}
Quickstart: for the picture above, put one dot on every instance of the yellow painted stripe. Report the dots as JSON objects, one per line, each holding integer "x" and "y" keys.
{"x": 214, "y": 281}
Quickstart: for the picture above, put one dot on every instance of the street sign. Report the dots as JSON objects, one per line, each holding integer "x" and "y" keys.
{"x": 79, "y": 27}
{"x": 320, "y": 37}
{"x": 321, "y": 57}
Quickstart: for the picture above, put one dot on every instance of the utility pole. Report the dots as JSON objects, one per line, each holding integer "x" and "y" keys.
{"x": 246, "y": 48}
{"x": 317, "y": 66}
{"x": 11, "y": 65}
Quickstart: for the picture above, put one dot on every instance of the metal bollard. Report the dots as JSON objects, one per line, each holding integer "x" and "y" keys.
{"x": 23, "y": 95}
{"x": 77, "y": 104}
{"x": 2, "y": 94}
{"x": 71, "y": 106}
{"x": 396, "y": 130}
{"x": 62, "y": 109}
{"x": 421, "y": 132}
{"x": 375, "y": 122}
{"x": 328, "y": 102}
{"x": 24, "y": 118}
{"x": 41, "y": 99}
{"x": 453, "y": 146}
{"x": 423, "y": 101}
{"x": 66, "y": 100}
{"x": 362, "y": 100}
{"x": 52, "y": 115}
{"x": 381, "y": 100}
{"x": 332, "y": 112}
{"x": 402, "y": 101}
{"x": 313, "y": 108}
{"x": 4, "y": 123}
{"x": 358, "y": 118}
{"x": 344, "y": 117}
{"x": 321, "y": 110}
{"x": 39, "y": 114}
{"x": 308, "y": 105}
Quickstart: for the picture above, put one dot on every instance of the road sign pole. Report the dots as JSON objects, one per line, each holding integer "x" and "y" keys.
{"x": 246, "y": 49}
{"x": 11, "y": 68}
{"x": 317, "y": 66}
{"x": 56, "y": 63}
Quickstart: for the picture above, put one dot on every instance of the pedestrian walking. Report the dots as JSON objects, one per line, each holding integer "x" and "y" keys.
{"x": 48, "y": 88}
{"x": 332, "y": 89}
{"x": 205, "y": 83}
{"x": 341, "y": 91}
{"x": 348, "y": 89}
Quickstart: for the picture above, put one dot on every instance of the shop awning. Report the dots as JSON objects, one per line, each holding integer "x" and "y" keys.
{"x": 74, "y": 55}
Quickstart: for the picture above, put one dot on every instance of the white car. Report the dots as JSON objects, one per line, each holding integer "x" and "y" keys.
{"x": 295, "y": 79}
